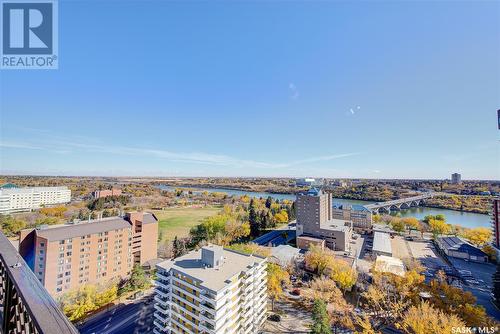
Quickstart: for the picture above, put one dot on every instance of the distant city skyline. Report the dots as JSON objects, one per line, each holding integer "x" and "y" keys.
{"x": 290, "y": 89}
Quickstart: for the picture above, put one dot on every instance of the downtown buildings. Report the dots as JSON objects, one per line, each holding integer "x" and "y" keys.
{"x": 316, "y": 225}
{"x": 66, "y": 256}
{"x": 209, "y": 291}
{"x": 24, "y": 199}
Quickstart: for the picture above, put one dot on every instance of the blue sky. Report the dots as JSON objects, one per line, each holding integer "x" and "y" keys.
{"x": 335, "y": 89}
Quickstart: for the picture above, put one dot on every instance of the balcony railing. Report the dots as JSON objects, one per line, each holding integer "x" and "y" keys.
{"x": 25, "y": 305}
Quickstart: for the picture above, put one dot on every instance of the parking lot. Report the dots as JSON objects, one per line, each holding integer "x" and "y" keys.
{"x": 478, "y": 280}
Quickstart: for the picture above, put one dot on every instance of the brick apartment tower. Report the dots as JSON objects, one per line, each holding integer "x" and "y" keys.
{"x": 66, "y": 256}
{"x": 495, "y": 221}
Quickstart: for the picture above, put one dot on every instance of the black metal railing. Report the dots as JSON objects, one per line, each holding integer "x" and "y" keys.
{"x": 25, "y": 305}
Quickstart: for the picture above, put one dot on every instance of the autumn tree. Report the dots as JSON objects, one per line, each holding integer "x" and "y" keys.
{"x": 318, "y": 259}
{"x": 397, "y": 225}
{"x": 424, "y": 319}
{"x": 276, "y": 278}
{"x": 411, "y": 223}
{"x": 341, "y": 273}
{"x": 478, "y": 236}
{"x": 438, "y": 227}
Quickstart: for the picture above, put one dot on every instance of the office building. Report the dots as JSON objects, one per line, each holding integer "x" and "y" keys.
{"x": 456, "y": 178}
{"x": 314, "y": 213}
{"x": 360, "y": 216}
{"x": 25, "y": 199}
{"x": 106, "y": 193}
{"x": 209, "y": 291}
{"x": 495, "y": 221}
{"x": 66, "y": 256}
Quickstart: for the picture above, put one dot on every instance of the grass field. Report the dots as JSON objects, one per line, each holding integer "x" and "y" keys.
{"x": 178, "y": 221}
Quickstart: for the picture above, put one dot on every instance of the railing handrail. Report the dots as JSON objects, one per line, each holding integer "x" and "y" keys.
{"x": 42, "y": 310}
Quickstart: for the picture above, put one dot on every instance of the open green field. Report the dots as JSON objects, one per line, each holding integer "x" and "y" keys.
{"x": 178, "y": 221}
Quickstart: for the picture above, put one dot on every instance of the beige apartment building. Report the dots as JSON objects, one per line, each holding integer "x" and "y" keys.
{"x": 66, "y": 256}
{"x": 211, "y": 291}
{"x": 314, "y": 211}
{"x": 360, "y": 216}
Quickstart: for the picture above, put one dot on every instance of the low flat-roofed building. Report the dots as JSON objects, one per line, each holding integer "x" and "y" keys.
{"x": 382, "y": 244}
{"x": 389, "y": 264}
{"x": 459, "y": 248}
{"x": 212, "y": 290}
{"x": 305, "y": 242}
{"x": 337, "y": 234}
{"x": 284, "y": 255}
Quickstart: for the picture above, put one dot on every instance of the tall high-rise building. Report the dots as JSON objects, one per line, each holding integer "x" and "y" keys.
{"x": 66, "y": 256}
{"x": 456, "y": 178}
{"x": 495, "y": 222}
{"x": 209, "y": 291}
{"x": 23, "y": 199}
{"x": 315, "y": 223}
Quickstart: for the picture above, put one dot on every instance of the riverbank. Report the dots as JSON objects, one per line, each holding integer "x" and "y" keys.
{"x": 462, "y": 218}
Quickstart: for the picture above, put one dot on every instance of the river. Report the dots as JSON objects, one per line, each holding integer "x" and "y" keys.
{"x": 465, "y": 219}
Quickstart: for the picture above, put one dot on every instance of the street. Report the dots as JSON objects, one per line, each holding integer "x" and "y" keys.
{"x": 133, "y": 318}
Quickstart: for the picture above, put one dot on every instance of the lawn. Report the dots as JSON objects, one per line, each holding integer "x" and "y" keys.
{"x": 178, "y": 221}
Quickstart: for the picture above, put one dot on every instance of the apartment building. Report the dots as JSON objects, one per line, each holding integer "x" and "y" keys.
{"x": 25, "y": 199}
{"x": 66, "y": 256}
{"x": 456, "y": 178}
{"x": 360, "y": 216}
{"x": 495, "y": 222}
{"x": 314, "y": 211}
{"x": 106, "y": 193}
{"x": 209, "y": 291}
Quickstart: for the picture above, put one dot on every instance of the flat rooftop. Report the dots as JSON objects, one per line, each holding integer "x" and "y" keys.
{"x": 390, "y": 264}
{"x": 382, "y": 242}
{"x": 86, "y": 227}
{"x": 213, "y": 278}
{"x": 335, "y": 225}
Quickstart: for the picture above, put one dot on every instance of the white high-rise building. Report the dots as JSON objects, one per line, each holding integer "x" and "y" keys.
{"x": 209, "y": 291}
{"x": 23, "y": 199}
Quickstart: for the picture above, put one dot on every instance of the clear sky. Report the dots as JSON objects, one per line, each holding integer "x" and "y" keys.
{"x": 336, "y": 89}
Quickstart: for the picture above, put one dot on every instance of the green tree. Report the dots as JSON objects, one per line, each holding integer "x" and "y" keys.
{"x": 253, "y": 218}
{"x": 321, "y": 323}
{"x": 269, "y": 202}
{"x": 138, "y": 280}
{"x": 11, "y": 226}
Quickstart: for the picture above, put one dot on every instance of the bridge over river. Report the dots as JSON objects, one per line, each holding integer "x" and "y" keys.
{"x": 398, "y": 204}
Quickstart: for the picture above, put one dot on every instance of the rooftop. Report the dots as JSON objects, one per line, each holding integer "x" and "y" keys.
{"x": 390, "y": 264}
{"x": 382, "y": 242}
{"x": 285, "y": 253}
{"x": 335, "y": 225}
{"x": 213, "y": 278}
{"x": 459, "y": 245}
{"x": 16, "y": 190}
{"x": 355, "y": 207}
{"x": 72, "y": 230}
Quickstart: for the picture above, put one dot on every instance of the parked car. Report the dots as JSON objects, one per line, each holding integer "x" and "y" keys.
{"x": 274, "y": 317}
